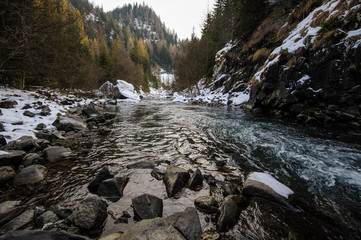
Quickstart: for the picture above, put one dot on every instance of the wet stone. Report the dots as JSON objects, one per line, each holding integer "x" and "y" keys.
{"x": 30, "y": 175}
{"x": 113, "y": 187}
{"x": 175, "y": 179}
{"x": 18, "y": 222}
{"x": 6, "y": 174}
{"x": 147, "y": 207}
{"x": 26, "y": 143}
{"x": 206, "y": 204}
{"x": 230, "y": 211}
{"x": 196, "y": 181}
{"x": 61, "y": 212}
{"x": 56, "y": 153}
{"x": 103, "y": 174}
{"x": 142, "y": 165}
{"x": 30, "y": 159}
{"x": 230, "y": 189}
{"x": 47, "y": 217}
{"x": 157, "y": 174}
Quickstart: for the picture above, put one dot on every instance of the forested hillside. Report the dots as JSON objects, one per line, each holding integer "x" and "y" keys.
{"x": 72, "y": 44}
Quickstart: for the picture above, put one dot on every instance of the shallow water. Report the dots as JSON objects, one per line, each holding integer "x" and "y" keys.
{"x": 325, "y": 172}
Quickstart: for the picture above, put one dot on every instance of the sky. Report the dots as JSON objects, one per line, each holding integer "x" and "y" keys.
{"x": 178, "y": 15}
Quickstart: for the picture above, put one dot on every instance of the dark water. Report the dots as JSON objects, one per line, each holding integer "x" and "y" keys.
{"x": 327, "y": 173}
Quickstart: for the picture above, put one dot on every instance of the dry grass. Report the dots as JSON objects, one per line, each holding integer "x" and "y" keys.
{"x": 260, "y": 54}
{"x": 303, "y": 9}
{"x": 319, "y": 18}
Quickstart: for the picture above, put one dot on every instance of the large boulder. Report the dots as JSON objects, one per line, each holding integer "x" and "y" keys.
{"x": 46, "y": 217}
{"x": 56, "y": 153}
{"x": 26, "y": 143}
{"x": 265, "y": 186}
{"x": 6, "y": 173}
{"x": 103, "y": 174}
{"x": 69, "y": 124}
{"x": 206, "y": 204}
{"x": 89, "y": 213}
{"x": 18, "y": 222}
{"x": 43, "y": 235}
{"x": 11, "y": 158}
{"x": 30, "y": 159}
{"x": 113, "y": 187}
{"x": 153, "y": 229}
{"x": 30, "y": 175}
{"x": 187, "y": 223}
{"x": 175, "y": 179}
{"x": 122, "y": 90}
{"x": 147, "y": 207}
{"x": 230, "y": 211}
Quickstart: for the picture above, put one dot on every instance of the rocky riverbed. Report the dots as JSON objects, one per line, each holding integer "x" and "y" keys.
{"x": 136, "y": 198}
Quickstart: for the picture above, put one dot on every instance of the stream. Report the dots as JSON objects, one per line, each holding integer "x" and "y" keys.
{"x": 326, "y": 172}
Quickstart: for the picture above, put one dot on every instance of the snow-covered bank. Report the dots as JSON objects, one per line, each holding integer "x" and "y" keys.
{"x": 33, "y": 104}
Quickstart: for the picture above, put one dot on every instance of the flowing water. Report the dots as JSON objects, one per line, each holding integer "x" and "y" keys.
{"x": 327, "y": 173}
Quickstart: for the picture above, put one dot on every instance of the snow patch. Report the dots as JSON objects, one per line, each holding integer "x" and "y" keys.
{"x": 270, "y": 181}
{"x": 3, "y": 152}
{"x": 304, "y": 79}
{"x": 127, "y": 90}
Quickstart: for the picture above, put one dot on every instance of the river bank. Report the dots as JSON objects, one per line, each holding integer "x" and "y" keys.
{"x": 137, "y": 144}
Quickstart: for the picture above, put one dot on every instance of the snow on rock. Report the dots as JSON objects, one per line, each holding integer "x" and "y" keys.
{"x": 122, "y": 90}
{"x": 127, "y": 90}
{"x": 270, "y": 181}
{"x": 179, "y": 98}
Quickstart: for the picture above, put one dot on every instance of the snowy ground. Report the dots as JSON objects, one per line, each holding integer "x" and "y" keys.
{"x": 17, "y": 125}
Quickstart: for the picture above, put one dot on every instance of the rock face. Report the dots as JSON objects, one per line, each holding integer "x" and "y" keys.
{"x": 6, "y": 173}
{"x": 18, "y": 222}
{"x": 101, "y": 176}
{"x": 153, "y": 229}
{"x": 187, "y": 223}
{"x": 113, "y": 187}
{"x": 43, "y": 235}
{"x": 89, "y": 213}
{"x": 230, "y": 211}
{"x": 206, "y": 204}
{"x": 175, "y": 179}
{"x": 30, "y": 175}
{"x": 56, "y": 153}
{"x": 147, "y": 207}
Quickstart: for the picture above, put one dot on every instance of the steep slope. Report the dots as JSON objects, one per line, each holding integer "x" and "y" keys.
{"x": 302, "y": 64}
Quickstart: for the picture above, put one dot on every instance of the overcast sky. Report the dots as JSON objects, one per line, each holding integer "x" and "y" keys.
{"x": 178, "y": 15}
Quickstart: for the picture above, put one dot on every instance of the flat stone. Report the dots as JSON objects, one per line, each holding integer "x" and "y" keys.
{"x": 56, "y": 153}
{"x": 206, "y": 204}
{"x": 175, "y": 179}
{"x": 8, "y": 104}
{"x": 6, "y": 174}
{"x": 30, "y": 175}
{"x": 152, "y": 229}
{"x": 41, "y": 235}
{"x": 12, "y": 158}
{"x": 89, "y": 213}
{"x": 187, "y": 223}
{"x": 28, "y": 114}
{"x": 8, "y": 206}
{"x": 103, "y": 174}
{"x": 147, "y": 207}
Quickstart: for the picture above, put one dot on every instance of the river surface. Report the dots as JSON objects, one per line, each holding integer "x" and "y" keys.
{"x": 326, "y": 172}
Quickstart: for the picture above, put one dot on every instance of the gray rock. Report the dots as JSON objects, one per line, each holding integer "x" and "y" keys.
{"x": 187, "y": 223}
{"x": 18, "y": 222}
{"x": 230, "y": 189}
{"x": 43, "y": 235}
{"x": 8, "y": 104}
{"x": 30, "y": 175}
{"x": 113, "y": 187}
{"x": 13, "y": 158}
{"x": 30, "y": 159}
{"x": 26, "y": 106}
{"x": 45, "y": 111}
{"x": 230, "y": 211}
{"x": 40, "y": 126}
{"x": 157, "y": 174}
{"x": 38, "y": 210}
{"x": 153, "y": 229}
{"x": 56, "y": 153}
{"x": 8, "y": 206}
{"x": 147, "y": 207}
{"x": 196, "y": 181}
{"x": 103, "y": 174}
{"x": 90, "y": 112}
{"x": 89, "y": 213}
{"x": 17, "y": 123}
{"x": 69, "y": 124}
{"x": 175, "y": 179}
{"x": 61, "y": 212}
{"x": 6, "y": 173}
{"x": 26, "y": 143}
{"x": 47, "y": 217}
{"x": 3, "y": 141}
{"x": 206, "y": 204}
{"x": 28, "y": 114}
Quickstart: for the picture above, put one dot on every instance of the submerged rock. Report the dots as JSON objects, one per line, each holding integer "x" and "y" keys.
{"x": 56, "y": 153}
{"x": 89, "y": 213}
{"x": 187, "y": 223}
{"x": 113, "y": 187}
{"x": 206, "y": 204}
{"x": 230, "y": 211}
{"x": 43, "y": 235}
{"x": 153, "y": 229}
{"x": 30, "y": 175}
{"x": 103, "y": 174}
{"x": 175, "y": 179}
{"x": 147, "y": 207}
